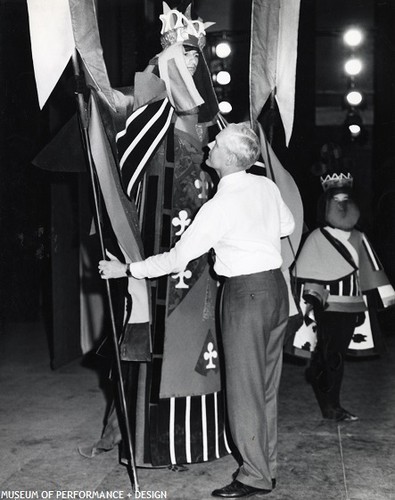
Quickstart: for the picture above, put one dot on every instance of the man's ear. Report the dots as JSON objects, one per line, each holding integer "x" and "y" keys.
{"x": 230, "y": 159}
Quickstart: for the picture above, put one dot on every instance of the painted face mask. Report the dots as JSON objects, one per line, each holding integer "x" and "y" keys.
{"x": 341, "y": 210}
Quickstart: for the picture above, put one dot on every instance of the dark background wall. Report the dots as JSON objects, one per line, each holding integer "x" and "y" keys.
{"x": 129, "y": 31}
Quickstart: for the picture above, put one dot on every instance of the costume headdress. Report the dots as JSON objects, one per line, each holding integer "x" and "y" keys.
{"x": 179, "y": 27}
{"x": 336, "y": 181}
{"x": 332, "y": 168}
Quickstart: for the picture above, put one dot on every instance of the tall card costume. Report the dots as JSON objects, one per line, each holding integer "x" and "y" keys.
{"x": 180, "y": 416}
{"x": 146, "y": 143}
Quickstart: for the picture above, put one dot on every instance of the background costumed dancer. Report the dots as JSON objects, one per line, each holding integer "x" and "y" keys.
{"x": 341, "y": 283}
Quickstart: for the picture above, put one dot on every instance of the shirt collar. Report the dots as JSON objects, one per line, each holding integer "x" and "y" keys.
{"x": 231, "y": 179}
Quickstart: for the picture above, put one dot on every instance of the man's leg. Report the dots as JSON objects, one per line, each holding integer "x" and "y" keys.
{"x": 335, "y": 331}
{"x": 255, "y": 311}
{"x": 274, "y": 363}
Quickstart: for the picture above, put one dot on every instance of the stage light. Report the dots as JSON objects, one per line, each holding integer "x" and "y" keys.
{"x": 353, "y": 67}
{"x": 225, "y": 107}
{"x": 223, "y": 78}
{"x": 353, "y": 37}
{"x": 223, "y": 50}
{"x": 354, "y": 98}
{"x": 354, "y": 129}
{"x": 354, "y": 125}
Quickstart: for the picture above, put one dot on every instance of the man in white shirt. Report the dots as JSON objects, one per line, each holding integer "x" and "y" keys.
{"x": 243, "y": 223}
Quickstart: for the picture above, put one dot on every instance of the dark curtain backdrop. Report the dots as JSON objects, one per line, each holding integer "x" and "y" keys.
{"x": 384, "y": 136}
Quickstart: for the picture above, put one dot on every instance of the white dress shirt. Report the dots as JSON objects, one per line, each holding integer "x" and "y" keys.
{"x": 243, "y": 223}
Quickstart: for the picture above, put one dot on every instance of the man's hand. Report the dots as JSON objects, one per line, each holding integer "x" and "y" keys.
{"x": 109, "y": 269}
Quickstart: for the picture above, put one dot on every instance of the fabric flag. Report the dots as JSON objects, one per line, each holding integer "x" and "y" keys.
{"x": 52, "y": 42}
{"x": 57, "y": 28}
{"x": 291, "y": 195}
{"x": 273, "y": 52}
{"x": 122, "y": 214}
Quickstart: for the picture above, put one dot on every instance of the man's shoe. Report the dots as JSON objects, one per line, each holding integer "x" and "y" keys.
{"x": 346, "y": 416}
{"x": 90, "y": 451}
{"x": 339, "y": 415}
{"x": 237, "y": 490}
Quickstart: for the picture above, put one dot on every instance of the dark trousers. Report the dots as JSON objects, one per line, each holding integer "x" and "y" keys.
{"x": 334, "y": 333}
{"x": 254, "y": 318}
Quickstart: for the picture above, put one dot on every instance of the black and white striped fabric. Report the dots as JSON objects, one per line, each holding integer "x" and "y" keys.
{"x": 137, "y": 142}
{"x": 348, "y": 286}
{"x": 191, "y": 429}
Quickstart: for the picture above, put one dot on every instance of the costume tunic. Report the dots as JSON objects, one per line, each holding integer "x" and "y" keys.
{"x": 343, "y": 272}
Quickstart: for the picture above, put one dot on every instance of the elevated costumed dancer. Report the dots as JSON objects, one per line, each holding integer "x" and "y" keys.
{"x": 174, "y": 392}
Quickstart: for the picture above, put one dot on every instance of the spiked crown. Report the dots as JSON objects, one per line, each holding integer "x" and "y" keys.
{"x": 336, "y": 181}
{"x": 179, "y": 27}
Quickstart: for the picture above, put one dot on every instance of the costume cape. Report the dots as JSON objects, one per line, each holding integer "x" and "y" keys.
{"x": 324, "y": 262}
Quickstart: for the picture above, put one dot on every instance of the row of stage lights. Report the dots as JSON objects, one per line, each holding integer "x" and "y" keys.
{"x": 220, "y": 60}
{"x": 354, "y": 100}
{"x": 220, "y": 63}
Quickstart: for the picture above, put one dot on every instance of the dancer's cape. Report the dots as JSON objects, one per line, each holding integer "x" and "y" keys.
{"x": 324, "y": 261}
